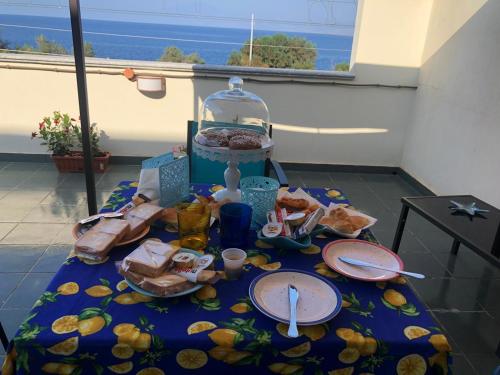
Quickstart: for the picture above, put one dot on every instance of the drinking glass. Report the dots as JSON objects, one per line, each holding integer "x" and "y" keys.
{"x": 194, "y": 224}
{"x": 234, "y": 224}
{"x": 233, "y": 262}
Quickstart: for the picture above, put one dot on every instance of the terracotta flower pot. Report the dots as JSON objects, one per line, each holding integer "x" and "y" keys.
{"x": 74, "y": 162}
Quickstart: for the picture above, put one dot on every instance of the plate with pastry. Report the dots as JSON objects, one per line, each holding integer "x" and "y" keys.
{"x": 345, "y": 222}
{"x": 162, "y": 270}
{"x": 298, "y": 201}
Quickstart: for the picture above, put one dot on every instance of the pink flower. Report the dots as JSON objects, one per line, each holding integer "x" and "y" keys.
{"x": 41, "y": 126}
{"x": 56, "y": 121}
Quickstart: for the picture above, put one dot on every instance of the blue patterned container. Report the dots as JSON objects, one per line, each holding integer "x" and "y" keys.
{"x": 260, "y": 193}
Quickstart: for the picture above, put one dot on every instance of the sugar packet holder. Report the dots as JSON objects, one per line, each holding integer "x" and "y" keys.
{"x": 191, "y": 273}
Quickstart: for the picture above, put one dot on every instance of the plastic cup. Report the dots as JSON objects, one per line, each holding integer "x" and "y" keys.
{"x": 233, "y": 262}
{"x": 235, "y": 221}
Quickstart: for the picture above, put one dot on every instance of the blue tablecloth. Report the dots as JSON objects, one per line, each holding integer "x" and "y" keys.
{"x": 88, "y": 321}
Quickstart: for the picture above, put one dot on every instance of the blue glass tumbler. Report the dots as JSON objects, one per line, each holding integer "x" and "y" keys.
{"x": 235, "y": 221}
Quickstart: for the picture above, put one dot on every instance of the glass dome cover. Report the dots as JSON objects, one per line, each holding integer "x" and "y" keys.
{"x": 232, "y": 111}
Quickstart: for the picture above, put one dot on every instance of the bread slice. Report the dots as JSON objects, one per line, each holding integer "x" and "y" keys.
{"x": 151, "y": 258}
{"x": 98, "y": 241}
{"x": 141, "y": 216}
{"x": 164, "y": 285}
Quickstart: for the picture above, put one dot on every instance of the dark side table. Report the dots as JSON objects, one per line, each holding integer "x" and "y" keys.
{"x": 481, "y": 233}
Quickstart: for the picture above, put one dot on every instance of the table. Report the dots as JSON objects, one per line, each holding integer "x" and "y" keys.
{"x": 481, "y": 233}
{"x": 91, "y": 303}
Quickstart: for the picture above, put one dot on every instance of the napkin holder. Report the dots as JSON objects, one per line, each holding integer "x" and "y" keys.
{"x": 149, "y": 179}
{"x": 174, "y": 181}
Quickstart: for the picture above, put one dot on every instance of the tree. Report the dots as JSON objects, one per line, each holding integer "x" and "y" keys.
{"x": 277, "y": 51}
{"x": 174, "y": 54}
{"x": 342, "y": 67}
{"x": 88, "y": 49}
{"x": 44, "y": 45}
{"x": 4, "y": 44}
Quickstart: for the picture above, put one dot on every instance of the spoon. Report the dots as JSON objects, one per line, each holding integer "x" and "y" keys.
{"x": 293, "y": 296}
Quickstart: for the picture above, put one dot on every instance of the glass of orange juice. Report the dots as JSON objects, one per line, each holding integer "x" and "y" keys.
{"x": 194, "y": 224}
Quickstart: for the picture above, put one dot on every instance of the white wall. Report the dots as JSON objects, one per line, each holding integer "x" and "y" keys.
{"x": 453, "y": 143}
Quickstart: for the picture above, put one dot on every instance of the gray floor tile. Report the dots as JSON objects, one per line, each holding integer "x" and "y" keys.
{"x": 424, "y": 263}
{"x": 132, "y": 170}
{"x": 474, "y": 332}
{"x": 76, "y": 181}
{"x": 5, "y": 228}
{"x": 467, "y": 264}
{"x": 294, "y": 179}
{"x": 65, "y": 197}
{"x": 111, "y": 180}
{"x": 8, "y": 284}
{"x": 11, "y": 212}
{"x": 65, "y": 235}
{"x": 43, "y": 180}
{"x": 462, "y": 366}
{"x": 316, "y": 179}
{"x": 487, "y": 293}
{"x": 54, "y": 213}
{"x": 29, "y": 290}
{"x": 448, "y": 294}
{"x": 33, "y": 233}
{"x": 23, "y": 167}
{"x": 11, "y": 320}
{"x": 10, "y": 179}
{"x": 24, "y": 197}
{"x": 18, "y": 258}
{"x": 484, "y": 364}
{"x": 52, "y": 258}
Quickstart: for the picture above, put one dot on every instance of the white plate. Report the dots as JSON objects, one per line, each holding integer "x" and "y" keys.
{"x": 350, "y": 212}
{"x": 138, "y": 289}
{"x": 365, "y": 251}
{"x": 319, "y": 300}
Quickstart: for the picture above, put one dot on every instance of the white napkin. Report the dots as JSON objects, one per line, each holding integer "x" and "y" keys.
{"x": 149, "y": 183}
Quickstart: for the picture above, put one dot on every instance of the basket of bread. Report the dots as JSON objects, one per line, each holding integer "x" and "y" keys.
{"x": 164, "y": 270}
{"x": 345, "y": 222}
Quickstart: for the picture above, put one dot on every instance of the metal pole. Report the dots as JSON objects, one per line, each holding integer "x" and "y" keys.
{"x": 76, "y": 27}
{"x": 251, "y": 42}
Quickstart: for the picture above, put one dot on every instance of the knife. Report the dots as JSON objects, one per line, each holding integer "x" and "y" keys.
{"x": 293, "y": 296}
{"x": 361, "y": 263}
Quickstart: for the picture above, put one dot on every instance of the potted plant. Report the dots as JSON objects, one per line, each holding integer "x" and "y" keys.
{"x": 63, "y": 137}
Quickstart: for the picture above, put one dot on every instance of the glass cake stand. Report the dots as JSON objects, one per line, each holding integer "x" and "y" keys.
{"x": 233, "y": 158}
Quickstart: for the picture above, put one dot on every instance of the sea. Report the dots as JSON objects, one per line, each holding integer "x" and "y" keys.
{"x": 213, "y": 44}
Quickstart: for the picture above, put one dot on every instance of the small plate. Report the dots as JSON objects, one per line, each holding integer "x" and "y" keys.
{"x": 138, "y": 289}
{"x": 79, "y": 230}
{"x": 319, "y": 300}
{"x": 371, "y": 222}
{"x": 365, "y": 251}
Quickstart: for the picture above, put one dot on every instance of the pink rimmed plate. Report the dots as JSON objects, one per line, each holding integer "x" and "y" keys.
{"x": 365, "y": 251}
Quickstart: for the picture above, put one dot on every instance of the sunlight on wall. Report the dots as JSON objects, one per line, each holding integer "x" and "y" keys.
{"x": 310, "y": 130}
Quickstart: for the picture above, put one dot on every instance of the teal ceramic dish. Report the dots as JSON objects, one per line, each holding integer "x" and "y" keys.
{"x": 286, "y": 243}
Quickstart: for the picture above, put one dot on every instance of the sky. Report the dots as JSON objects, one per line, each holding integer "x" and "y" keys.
{"x": 315, "y": 16}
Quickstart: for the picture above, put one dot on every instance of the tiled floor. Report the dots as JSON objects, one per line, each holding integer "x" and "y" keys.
{"x": 38, "y": 207}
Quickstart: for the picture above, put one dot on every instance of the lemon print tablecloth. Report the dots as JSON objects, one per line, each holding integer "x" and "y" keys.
{"x": 90, "y": 322}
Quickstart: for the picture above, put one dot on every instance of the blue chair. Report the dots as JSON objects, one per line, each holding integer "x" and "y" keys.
{"x": 212, "y": 172}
